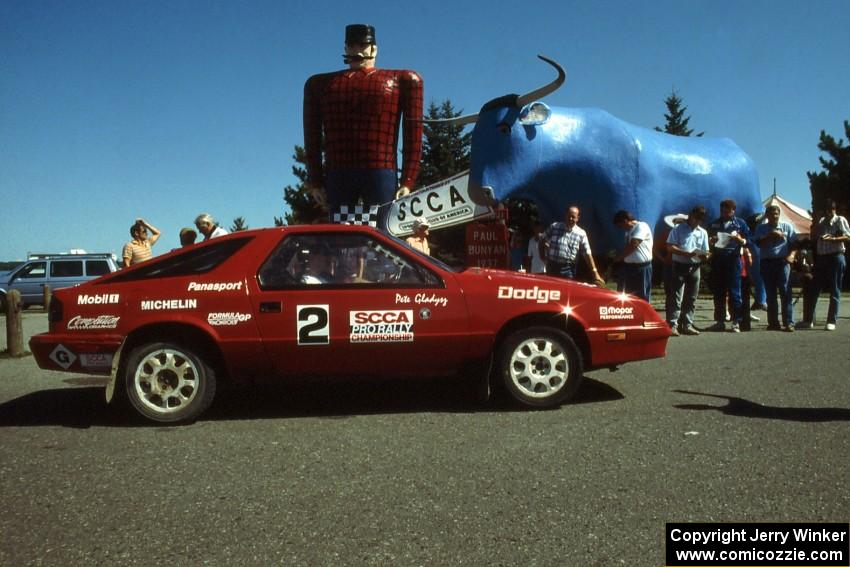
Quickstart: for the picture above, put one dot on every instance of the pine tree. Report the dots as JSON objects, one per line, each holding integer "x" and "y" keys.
{"x": 677, "y": 122}
{"x": 239, "y": 224}
{"x": 834, "y": 182}
{"x": 445, "y": 149}
{"x": 302, "y": 208}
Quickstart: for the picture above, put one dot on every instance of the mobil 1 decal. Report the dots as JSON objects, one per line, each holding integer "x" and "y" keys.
{"x": 313, "y": 325}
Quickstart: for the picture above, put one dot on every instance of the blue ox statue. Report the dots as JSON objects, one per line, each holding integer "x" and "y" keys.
{"x": 557, "y": 157}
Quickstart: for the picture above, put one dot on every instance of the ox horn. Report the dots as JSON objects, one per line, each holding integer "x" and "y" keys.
{"x": 520, "y": 102}
{"x": 544, "y": 90}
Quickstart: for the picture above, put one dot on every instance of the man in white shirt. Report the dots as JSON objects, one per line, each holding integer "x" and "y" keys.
{"x": 635, "y": 275}
{"x": 535, "y": 262}
{"x": 831, "y": 233}
{"x": 208, "y": 227}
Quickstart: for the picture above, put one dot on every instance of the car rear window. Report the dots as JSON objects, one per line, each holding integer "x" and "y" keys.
{"x": 66, "y": 269}
{"x": 197, "y": 260}
{"x": 97, "y": 267}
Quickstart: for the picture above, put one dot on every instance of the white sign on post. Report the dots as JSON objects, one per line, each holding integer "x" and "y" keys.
{"x": 442, "y": 204}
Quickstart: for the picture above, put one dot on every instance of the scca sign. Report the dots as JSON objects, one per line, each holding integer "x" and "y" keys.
{"x": 443, "y": 204}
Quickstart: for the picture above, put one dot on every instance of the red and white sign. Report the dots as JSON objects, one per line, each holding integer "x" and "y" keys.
{"x": 487, "y": 245}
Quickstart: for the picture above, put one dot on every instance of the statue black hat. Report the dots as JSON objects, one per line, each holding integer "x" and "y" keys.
{"x": 360, "y": 33}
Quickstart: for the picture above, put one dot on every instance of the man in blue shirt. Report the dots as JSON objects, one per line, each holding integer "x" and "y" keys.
{"x": 688, "y": 243}
{"x": 728, "y": 234}
{"x": 776, "y": 242}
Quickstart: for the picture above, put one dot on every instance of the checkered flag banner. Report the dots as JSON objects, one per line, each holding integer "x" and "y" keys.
{"x": 358, "y": 214}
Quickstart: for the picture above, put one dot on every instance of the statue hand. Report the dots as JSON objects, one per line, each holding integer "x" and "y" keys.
{"x": 402, "y": 191}
{"x": 320, "y": 196}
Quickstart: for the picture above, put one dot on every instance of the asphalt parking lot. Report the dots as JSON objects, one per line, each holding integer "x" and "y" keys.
{"x": 728, "y": 427}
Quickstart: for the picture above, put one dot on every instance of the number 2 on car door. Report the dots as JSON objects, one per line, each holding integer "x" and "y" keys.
{"x": 313, "y": 325}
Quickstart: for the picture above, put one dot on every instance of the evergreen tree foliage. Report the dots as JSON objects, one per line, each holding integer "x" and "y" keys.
{"x": 834, "y": 182}
{"x": 677, "y": 122}
{"x": 445, "y": 149}
{"x": 302, "y": 208}
{"x": 239, "y": 224}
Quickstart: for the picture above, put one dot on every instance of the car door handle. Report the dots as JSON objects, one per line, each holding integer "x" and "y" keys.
{"x": 270, "y": 307}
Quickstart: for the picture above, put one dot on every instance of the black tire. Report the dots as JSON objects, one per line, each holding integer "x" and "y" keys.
{"x": 168, "y": 382}
{"x": 540, "y": 366}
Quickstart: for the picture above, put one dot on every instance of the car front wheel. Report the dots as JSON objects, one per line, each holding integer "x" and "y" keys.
{"x": 540, "y": 366}
{"x": 168, "y": 383}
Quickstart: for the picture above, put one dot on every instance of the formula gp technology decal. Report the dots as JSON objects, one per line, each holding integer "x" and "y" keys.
{"x": 611, "y": 313}
{"x": 80, "y": 323}
{"x": 214, "y": 286}
{"x": 98, "y": 299}
{"x": 227, "y": 319}
{"x": 535, "y": 293}
{"x": 168, "y": 304}
{"x": 381, "y": 326}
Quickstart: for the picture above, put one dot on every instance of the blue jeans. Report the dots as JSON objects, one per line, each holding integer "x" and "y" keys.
{"x": 682, "y": 295}
{"x": 829, "y": 275}
{"x": 759, "y": 292}
{"x": 776, "y": 273}
{"x": 566, "y": 271}
{"x": 636, "y": 279}
{"x": 374, "y": 186}
{"x": 726, "y": 278}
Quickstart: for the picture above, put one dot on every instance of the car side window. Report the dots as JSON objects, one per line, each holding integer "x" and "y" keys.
{"x": 32, "y": 271}
{"x": 97, "y": 267}
{"x": 66, "y": 268}
{"x": 340, "y": 260}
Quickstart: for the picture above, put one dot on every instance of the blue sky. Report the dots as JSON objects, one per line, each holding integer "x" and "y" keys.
{"x": 115, "y": 109}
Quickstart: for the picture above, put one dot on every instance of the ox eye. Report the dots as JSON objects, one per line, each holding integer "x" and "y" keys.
{"x": 504, "y": 128}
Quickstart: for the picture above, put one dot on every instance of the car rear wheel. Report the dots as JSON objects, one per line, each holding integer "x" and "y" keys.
{"x": 540, "y": 366}
{"x": 168, "y": 383}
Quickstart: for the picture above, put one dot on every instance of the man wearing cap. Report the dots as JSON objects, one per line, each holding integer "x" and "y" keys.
{"x": 688, "y": 246}
{"x": 357, "y": 113}
{"x": 776, "y": 240}
{"x": 729, "y": 235}
{"x": 419, "y": 239}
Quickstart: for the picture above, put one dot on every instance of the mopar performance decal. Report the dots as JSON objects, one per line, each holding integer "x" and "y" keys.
{"x": 313, "y": 325}
{"x": 539, "y": 295}
{"x": 62, "y": 356}
{"x": 79, "y": 323}
{"x": 227, "y": 319}
{"x": 214, "y": 286}
{"x": 381, "y": 326}
{"x": 168, "y": 304}
{"x": 608, "y": 313}
{"x": 99, "y": 299}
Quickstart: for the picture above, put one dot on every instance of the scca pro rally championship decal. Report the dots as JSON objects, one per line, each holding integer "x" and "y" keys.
{"x": 381, "y": 326}
{"x": 609, "y": 313}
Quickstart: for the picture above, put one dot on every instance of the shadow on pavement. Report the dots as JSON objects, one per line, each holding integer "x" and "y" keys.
{"x": 739, "y": 407}
{"x": 84, "y": 406}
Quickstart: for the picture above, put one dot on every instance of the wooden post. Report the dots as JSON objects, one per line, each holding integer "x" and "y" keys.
{"x": 14, "y": 328}
{"x": 47, "y": 296}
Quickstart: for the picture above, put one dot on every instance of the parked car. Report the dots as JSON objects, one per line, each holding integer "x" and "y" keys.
{"x": 54, "y": 270}
{"x": 321, "y": 300}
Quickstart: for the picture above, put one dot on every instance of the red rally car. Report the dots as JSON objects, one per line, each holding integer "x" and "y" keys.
{"x": 320, "y": 300}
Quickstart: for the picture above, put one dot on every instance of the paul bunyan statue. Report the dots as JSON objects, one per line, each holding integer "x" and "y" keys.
{"x": 357, "y": 113}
